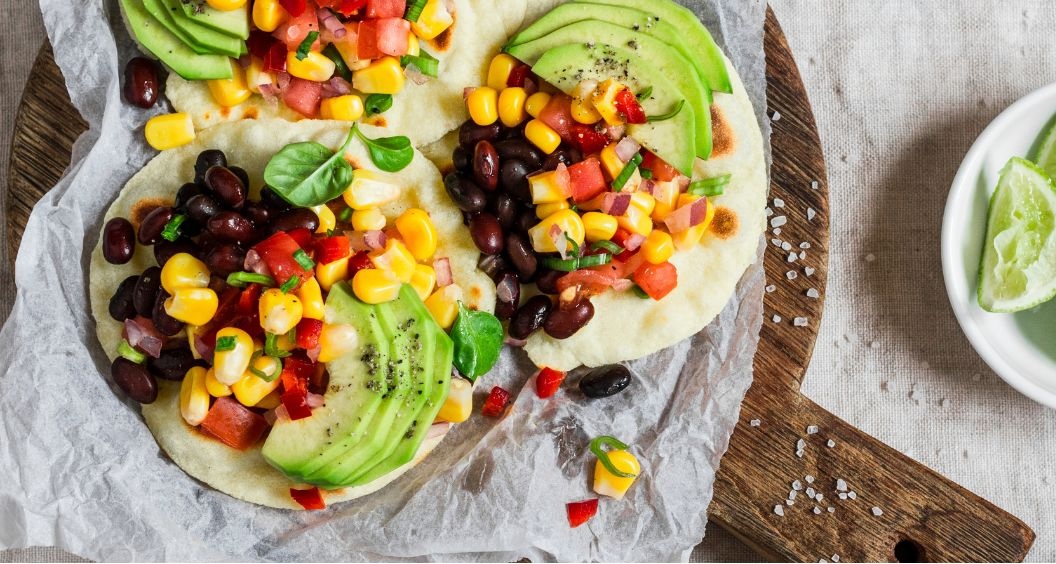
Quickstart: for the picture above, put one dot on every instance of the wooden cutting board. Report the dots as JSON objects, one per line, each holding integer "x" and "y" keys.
{"x": 902, "y": 511}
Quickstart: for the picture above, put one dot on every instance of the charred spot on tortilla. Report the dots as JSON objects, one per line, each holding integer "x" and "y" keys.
{"x": 724, "y": 140}
{"x": 443, "y": 41}
{"x": 225, "y": 111}
{"x": 377, "y": 121}
{"x": 725, "y": 223}
{"x": 251, "y": 113}
{"x": 142, "y": 208}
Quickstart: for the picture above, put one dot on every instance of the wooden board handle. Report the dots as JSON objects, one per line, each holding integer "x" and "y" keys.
{"x": 924, "y": 516}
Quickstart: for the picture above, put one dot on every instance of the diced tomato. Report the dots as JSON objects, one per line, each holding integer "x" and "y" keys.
{"x": 311, "y": 500}
{"x": 377, "y": 9}
{"x": 296, "y": 403}
{"x": 580, "y": 512}
{"x": 589, "y": 281}
{"x": 303, "y": 237}
{"x": 296, "y": 372}
{"x": 558, "y": 115}
{"x": 656, "y": 279}
{"x": 247, "y": 300}
{"x": 661, "y": 170}
{"x": 587, "y": 179}
{"x": 496, "y": 403}
{"x": 277, "y": 253}
{"x": 344, "y": 7}
{"x": 294, "y": 7}
{"x": 308, "y": 331}
{"x": 361, "y": 261}
{"x": 518, "y": 75}
{"x": 233, "y": 424}
{"x": 393, "y": 34}
{"x": 329, "y": 249}
{"x": 548, "y": 381}
{"x": 367, "y": 40}
{"x": 296, "y": 29}
{"x": 588, "y": 139}
{"x": 627, "y": 104}
{"x": 303, "y": 96}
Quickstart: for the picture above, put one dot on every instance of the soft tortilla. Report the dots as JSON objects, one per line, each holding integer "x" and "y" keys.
{"x": 249, "y": 144}
{"x": 423, "y": 112}
{"x": 626, "y": 327}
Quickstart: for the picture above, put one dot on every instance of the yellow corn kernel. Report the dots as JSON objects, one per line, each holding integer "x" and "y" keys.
{"x": 549, "y": 187}
{"x": 511, "y": 106}
{"x": 395, "y": 259}
{"x": 182, "y": 270}
{"x": 382, "y": 76}
{"x": 169, "y": 130}
{"x": 368, "y": 220}
{"x": 605, "y": 101}
{"x": 270, "y": 401}
{"x": 611, "y": 162}
{"x": 418, "y": 233}
{"x": 214, "y": 387}
{"x": 252, "y": 388}
{"x": 327, "y": 219}
{"x": 658, "y": 247}
{"x": 229, "y": 92}
{"x": 499, "y": 71}
{"x": 375, "y": 286}
{"x": 636, "y": 220}
{"x": 535, "y": 103}
{"x": 689, "y": 238}
{"x": 195, "y": 306}
{"x": 350, "y": 54}
{"x": 331, "y": 273}
{"x": 644, "y": 201}
{"x": 194, "y": 398}
{"x": 255, "y": 76}
{"x": 599, "y": 226}
{"x": 268, "y": 15}
{"x": 443, "y": 304}
{"x": 316, "y": 67}
{"x": 230, "y": 364}
{"x": 370, "y": 189}
{"x": 346, "y": 108}
{"x": 226, "y": 5}
{"x": 666, "y": 195}
{"x": 542, "y": 136}
{"x": 336, "y": 341}
{"x": 459, "y": 403}
{"x": 192, "y": 331}
{"x": 482, "y": 104}
{"x": 311, "y": 297}
{"x": 607, "y": 483}
{"x": 282, "y": 343}
{"x": 279, "y": 312}
{"x": 567, "y": 221}
{"x": 423, "y": 280}
{"x": 582, "y": 103}
{"x": 433, "y": 21}
{"x": 542, "y": 211}
{"x": 414, "y": 46}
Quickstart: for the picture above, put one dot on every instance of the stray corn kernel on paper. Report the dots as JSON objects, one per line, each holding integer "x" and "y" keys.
{"x": 82, "y": 471}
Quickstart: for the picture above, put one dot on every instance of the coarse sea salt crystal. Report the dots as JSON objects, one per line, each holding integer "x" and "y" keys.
{"x": 778, "y": 221}
{"x": 779, "y": 510}
{"x": 800, "y": 322}
{"x": 819, "y": 497}
{"x": 810, "y": 493}
{"x": 831, "y": 443}
{"x": 771, "y": 289}
{"x": 792, "y": 257}
{"x": 814, "y": 184}
{"x": 832, "y": 509}
{"x": 810, "y": 214}
{"x": 786, "y": 246}
{"x": 779, "y": 203}
{"x": 776, "y": 116}
{"x": 813, "y": 293}
{"x": 809, "y": 479}
{"x": 877, "y": 511}
{"x": 817, "y": 510}
{"x": 791, "y": 275}
{"x": 852, "y": 495}
{"x": 776, "y": 231}
{"x": 809, "y": 271}
{"x": 755, "y": 422}
{"x": 777, "y": 242}
{"x": 843, "y": 495}
{"x": 777, "y": 318}
{"x": 769, "y": 212}
{"x": 812, "y": 429}
{"x": 792, "y": 494}
{"x": 804, "y": 245}
{"x": 835, "y": 557}
{"x": 802, "y": 255}
{"x": 797, "y": 485}
{"x": 841, "y": 485}
{"x": 790, "y": 502}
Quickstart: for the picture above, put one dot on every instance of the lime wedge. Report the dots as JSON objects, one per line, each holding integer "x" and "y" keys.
{"x": 1044, "y": 150}
{"x": 1018, "y": 268}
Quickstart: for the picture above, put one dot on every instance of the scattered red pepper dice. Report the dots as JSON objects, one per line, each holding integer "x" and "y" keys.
{"x": 518, "y": 76}
{"x": 296, "y": 403}
{"x": 548, "y": 382}
{"x": 309, "y": 499}
{"x": 329, "y": 249}
{"x": 627, "y": 104}
{"x": 308, "y": 331}
{"x": 496, "y": 403}
{"x": 359, "y": 261}
{"x": 294, "y": 7}
{"x": 580, "y": 512}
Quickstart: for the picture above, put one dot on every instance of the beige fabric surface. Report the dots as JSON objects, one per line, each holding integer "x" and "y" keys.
{"x": 900, "y": 90}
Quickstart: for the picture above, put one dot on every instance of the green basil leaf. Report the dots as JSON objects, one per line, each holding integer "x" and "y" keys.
{"x": 478, "y": 339}
{"x": 306, "y": 46}
{"x": 391, "y": 154}
{"x": 308, "y": 174}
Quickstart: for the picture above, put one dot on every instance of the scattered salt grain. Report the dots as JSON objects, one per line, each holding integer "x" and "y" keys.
{"x": 819, "y": 497}
{"x": 797, "y": 485}
{"x": 790, "y": 502}
{"x": 800, "y": 322}
{"x": 813, "y": 293}
{"x": 755, "y": 422}
{"x": 786, "y": 246}
{"x": 870, "y": 257}
{"x": 791, "y": 275}
{"x": 877, "y": 511}
{"x": 852, "y": 495}
{"x": 779, "y": 203}
{"x": 776, "y": 231}
{"x": 809, "y": 271}
{"x": 779, "y": 510}
{"x": 976, "y": 377}
{"x": 814, "y": 184}
{"x": 792, "y": 494}
{"x": 832, "y": 509}
{"x": 841, "y": 485}
{"x": 776, "y": 116}
{"x": 843, "y": 495}
{"x": 778, "y": 221}
{"x": 812, "y": 429}
{"x": 810, "y": 493}
{"x": 769, "y": 212}
{"x": 792, "y": 257}
{"x": 831, "y": 443}
{"x": 810, "y": 214}
{"x": 777, "y": 242}
{"x": 835, "y": 557}
{"x": 777, "y": 318}
{"x": 809, "y": 479}
{"x": 804, "y": 245}
{"x": 802, "y": 255}
{"x": 771, "y": 289}
{"x": 817, "y": 510}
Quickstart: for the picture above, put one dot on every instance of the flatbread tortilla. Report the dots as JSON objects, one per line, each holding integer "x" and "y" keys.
{"x": 250, "y": 144}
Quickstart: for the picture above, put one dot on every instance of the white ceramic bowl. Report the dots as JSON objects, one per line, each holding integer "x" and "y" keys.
{"x": 1020, "y": 347}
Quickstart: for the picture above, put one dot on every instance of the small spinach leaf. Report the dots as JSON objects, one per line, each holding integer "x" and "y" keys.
{"x": 308, "y": 174}
{"x": 478, "y": 340}
{"x": 391, "y": 154}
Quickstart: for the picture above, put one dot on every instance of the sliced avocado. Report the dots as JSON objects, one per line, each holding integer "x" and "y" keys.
{"x": 358, "y": 384}
{"x": 232, "y": 22}
{"x": 673, "y": 140}
{"x": 154, "y": 37}
{"x": 712, "y": 63}
{"x": 661, "y": 56}
{"x": 216, "y": 41}
{"x": 162, "y": 15}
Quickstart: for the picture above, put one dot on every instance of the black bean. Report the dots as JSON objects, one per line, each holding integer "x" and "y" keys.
{"x": 142, "y": 86}
{"x": 568, "y": 319}
{"x": 506, "y": 210}
{"x": 257, "y": 213}
{"x": 486, "y": 166}
{"x": 486, "y": 233}
{"x": 527, "y": 220}
{"x": 521, "y": 150}
{"x": 228, "y": 187}
{"x": 163, "y": 322}
{"x": 567, "y": 156}
{"x": 460, "y": 159}
{"x": 464, "y": 193}
{"x": 272, "y": 200}
{"x": 135, "y": 380}
{"x": 470, "y": 134}
{"x": 164, "y": 250}
{"x": 173, "y": 364}
{"x": 514, "y": 178}
{"x": 146, "y": 291}
{"x": 521, "y": 254}
{"x": 153, "y": 224}
{"x": 546, "y": 280}
{"x": 507, "y": 296}
{"x": 241, "y": 174}
{"x": 121, "y": 305}
{"x": 530, "y": 317}
{"x": 185, "y": 193}
{"x": 206, "y": 160}
{"x": 231, "y": 227}
{"x": 605, "y": 381}
{"x": 223, "y": 260}
{"x": 299, "y": 218}
{"x": 119, "y": 241}
{"x": 202, "y": 208}
{"x": 493, "y": 265}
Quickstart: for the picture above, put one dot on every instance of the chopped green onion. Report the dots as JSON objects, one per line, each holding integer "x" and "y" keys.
{"x": 243, "y": 279}
{"x": 306, "y": 46}
{"x": 341, "y": 69}
{"x": 345, "y": 216}
{"x": 645, "y": 93}
{"x": 627, "y": 172}
{"x": 638, "y": 291}
{"x": 271, "y": 346}
{"x": 710, "y": 186}
{"x": 414, "y": 10}
{"x": 290, "y": 284}
{"x": 664, "y": 117}
{"x": 292, "y": 334}
{"x": 266, "y": 377}
{"x": 171, "y": 232}
{"x": 576, "y": 263}
{"x": 425, "y": 63}
{"x": 125, "y": 350}
{"x": 228, "y": 343}
{"x": 377, "y": 103}
{"x": 595, "y": 260}
{"x": 603, "y": 456}
{"x": 303, "y": 259}
{"x": 330, "y": 232}
{"x": 607, "y": 246}
{"x": 646, "y": 173}
{"x": 576, "y": 251}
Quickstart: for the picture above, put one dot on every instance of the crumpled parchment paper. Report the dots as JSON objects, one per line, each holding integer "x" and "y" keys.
{"x": 82, "y": 472}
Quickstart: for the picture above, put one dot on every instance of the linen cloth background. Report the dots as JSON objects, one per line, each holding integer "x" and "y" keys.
{"x": 900, "y": 90}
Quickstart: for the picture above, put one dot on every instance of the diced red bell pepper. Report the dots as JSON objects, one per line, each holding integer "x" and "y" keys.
{"x": 580, "y": 512}
{"x": 294, "y": 7}
{"x": 627, "y": 104}
{"x": 350, "y": 7}
{"x": 309, "y": 499}
{"x": 308, "y": 331}
{"x": 303, "y": 96}
{"x": 233, "y": 424}
{"x": 393, "y": 35}
{"x": 548, "y": 382}
{"x": 588, "y": 139}
{"x": 296, "y": 404}
{"x": 247, "y": 300}
{"x": 377, "y": 9}
{"x": 587, "y": 179}
{"x": 277, "y": 253}
{"x": 656, "y": 279}
{"x": 259, "y": 42}
{"x": 558, "y": 115}
{"x": 329, "y": 249}
{"x": 518, "y": 75}
{"x": 296, "y": 373}
{"x": 361, "y": 261}
{"x": 367, "y": 40}
{"x": 620, "y": 238}
{"x": 303, "y": 237}
{"x": 661, "y": 170}
{"x": 496, "y": 403}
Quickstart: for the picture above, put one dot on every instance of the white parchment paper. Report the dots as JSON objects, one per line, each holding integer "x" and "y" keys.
{"x": 82, "y": 472}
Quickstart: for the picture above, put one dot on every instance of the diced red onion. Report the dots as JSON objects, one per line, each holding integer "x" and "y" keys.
{"x": 467, "y": 91}
{"x": 442, "y": 266}
{"x": 204, "y": 350}
{"x": 374, "y": 239}
{"x": 314, "y": 400}
{"x": 270, "y": 91}
{"x": 313, "y": 353}
{"x": 531, "y": 86}
{"x": 283, "y": 80}
{"x": 450, "y": 6}
{"x": 634, "y": 241}
{"x": 614, "y": 132}
{"x": 616, "y": 204}
{"x": 341, "y": 85}
{"x": 269, "y": 417}
{"x": 622, "y": 284}
{"x": 141, "y": 334}
{"x": 557, "y": 235}
{"x": 647, "y": 186}
{"x": 627, "y": 148}
{"x": 416, "y": 75}
{"x": 330, "y": 22}
{"x": 687, "y": 216}
{"x": 683, "y": 182}
{"x": 357, "y": 241}
{"x": 254, "y": 263}
{"x": 564, "y": 179}
{"x": 244, "y": 61}
{"x": 515, "y": 342}
{"x": 280, "y": 413}
{"x": 437, "y": 430}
